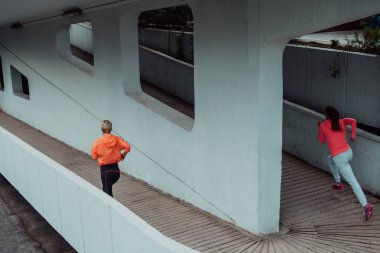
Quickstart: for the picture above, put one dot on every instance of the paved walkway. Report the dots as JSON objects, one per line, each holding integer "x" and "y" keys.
{"x": 22, "y": 229}
{"x": 314, "y": 217}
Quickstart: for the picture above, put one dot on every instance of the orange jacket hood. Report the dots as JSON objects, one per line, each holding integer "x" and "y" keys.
{"x": 107, "y": 149}
{"x": 109, "y": 140}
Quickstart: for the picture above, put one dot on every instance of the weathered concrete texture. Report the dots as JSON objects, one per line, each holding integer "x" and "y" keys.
{"x": 12, "y": 237}
{"x": 23, "y": 230}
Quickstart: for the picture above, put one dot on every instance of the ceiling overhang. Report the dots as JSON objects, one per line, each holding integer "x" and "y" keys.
{"x": 21, "y": 11}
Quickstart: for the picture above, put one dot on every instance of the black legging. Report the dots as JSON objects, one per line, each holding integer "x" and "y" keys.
{"x": 110, "y": 173}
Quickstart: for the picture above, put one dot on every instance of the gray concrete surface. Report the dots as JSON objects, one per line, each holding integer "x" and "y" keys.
{"x": 12, "y": 237}
{"x": 165, "y": 42}
{"x": 317, "y": 77}
{"x": 22, "y": 229}
{"x": 167, "y": 73}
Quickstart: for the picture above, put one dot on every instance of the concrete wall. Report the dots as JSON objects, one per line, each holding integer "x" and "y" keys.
{"x": 300, "y": 138}
{"x": 173, "y": 76}
{"x": 228, "y": 160}
{"x": 165, "y": 41}
{"x": 68, "y": 103}
{"x": 85, "y": 216}
{"x": 354, "y": 91}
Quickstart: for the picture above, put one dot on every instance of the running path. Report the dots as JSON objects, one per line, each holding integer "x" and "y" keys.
{"x": 314, "y": 218}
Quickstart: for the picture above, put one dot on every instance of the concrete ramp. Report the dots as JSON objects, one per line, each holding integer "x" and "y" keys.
{"x": 314, "y": 218}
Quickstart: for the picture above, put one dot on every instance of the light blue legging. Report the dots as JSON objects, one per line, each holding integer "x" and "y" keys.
{"x": 341, "y": 164}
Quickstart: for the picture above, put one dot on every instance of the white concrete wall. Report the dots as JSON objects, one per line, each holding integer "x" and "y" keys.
{"x": 231, "y": 153}
{"x": 85, "y": 216}
{"x": 300, "y": 138}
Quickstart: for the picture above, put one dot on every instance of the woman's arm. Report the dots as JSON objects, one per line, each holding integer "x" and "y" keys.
{"x": 321, "y": 134}
{"x": 94, "y": 154}
{"x": 352, "y": 123}
{"x": 124, "y": 147}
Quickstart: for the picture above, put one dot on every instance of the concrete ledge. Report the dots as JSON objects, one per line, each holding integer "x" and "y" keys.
{"x": 300, "y": 138}
{"x": 320, "y": 116}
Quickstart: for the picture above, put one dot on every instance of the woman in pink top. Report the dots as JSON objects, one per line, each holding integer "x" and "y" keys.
{"x": 333, "y": 130}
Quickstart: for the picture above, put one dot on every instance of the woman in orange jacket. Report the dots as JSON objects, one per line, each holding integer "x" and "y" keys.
{"x": 107, "y": 150}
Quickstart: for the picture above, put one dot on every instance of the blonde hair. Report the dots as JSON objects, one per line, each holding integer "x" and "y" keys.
{"x": 106, "y": 126}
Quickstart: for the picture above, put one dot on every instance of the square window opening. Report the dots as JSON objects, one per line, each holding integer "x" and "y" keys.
{"x": 166, "y": 56}
{"x": 20, "y": 83}
{"x": 81, "y": 41}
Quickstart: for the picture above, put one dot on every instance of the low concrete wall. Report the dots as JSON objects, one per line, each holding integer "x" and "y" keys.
{"x": 349, "y": 81}
{"x": 300, "y": 138}
{"x": 165, "y": 41}
{"x": 87, "y": 218}
{"x": 175, "y": 77}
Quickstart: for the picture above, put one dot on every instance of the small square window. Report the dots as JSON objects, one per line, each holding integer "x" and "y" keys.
{"x": 81, "y": 42}
{"x": 20, "y": 83}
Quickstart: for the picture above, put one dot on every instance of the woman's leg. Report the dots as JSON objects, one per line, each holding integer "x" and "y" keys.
{"x": 342, "y": 162}
{"x": 106, "y": 182}
{"x": 109, "y": 174}
{"x": 333, "y": 169}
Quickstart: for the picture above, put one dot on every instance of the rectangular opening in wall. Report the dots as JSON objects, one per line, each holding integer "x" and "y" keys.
{"x": 81, "y": 41}
{"x": 166, "y": 56}
{"x": 325, "y": 68}
{"x": 1, "y": 76}
{"x": 20, "y": 83}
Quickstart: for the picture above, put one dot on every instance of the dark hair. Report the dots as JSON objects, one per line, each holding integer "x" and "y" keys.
{"x": 333, "y": 115}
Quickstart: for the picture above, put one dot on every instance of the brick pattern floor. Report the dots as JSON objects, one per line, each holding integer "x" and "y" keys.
{"x": 314, "y": 218}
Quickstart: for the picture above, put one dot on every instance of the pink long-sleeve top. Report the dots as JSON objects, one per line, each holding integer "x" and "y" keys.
{"x": 336, "y": 140}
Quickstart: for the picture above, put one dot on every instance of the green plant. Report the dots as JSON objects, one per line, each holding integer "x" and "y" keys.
{"x": 335, "y": 43}
{"x": 368, "y": 42}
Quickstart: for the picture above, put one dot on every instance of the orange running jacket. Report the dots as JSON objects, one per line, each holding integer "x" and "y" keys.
{"x": 107, "y": 148}
{"x": 336, "y": 140}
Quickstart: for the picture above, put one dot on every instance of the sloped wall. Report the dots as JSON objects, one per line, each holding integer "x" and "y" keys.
{"x": 85, "y": 216}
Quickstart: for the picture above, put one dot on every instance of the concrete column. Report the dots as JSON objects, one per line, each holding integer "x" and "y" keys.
{"x": 270, "y": 137}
